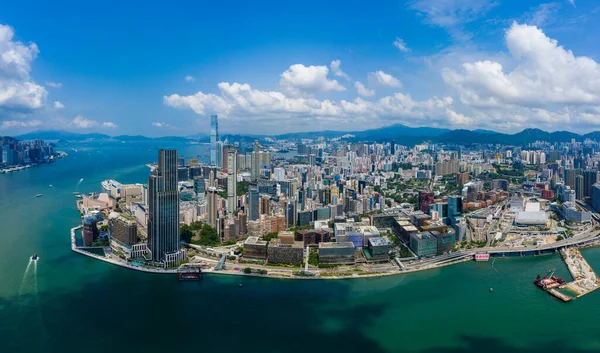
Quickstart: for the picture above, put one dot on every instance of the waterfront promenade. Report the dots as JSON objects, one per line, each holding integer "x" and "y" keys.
{"x": 294, "y": 273}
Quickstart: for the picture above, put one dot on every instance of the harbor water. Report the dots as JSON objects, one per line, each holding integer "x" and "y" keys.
{"x": 65, "y": 302}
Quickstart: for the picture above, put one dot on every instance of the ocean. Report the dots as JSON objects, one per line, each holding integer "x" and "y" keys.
{"x": 66, "y": 302}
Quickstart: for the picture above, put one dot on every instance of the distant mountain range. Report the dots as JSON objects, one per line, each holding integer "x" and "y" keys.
{"x": 401, "y": 134}
{"x": 57, "y": 135}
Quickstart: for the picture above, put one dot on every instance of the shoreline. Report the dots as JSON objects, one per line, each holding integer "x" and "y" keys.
{"x": 276, "y": 274}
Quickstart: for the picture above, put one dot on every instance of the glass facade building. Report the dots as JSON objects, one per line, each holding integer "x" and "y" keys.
{"x": 214, "y": 137}
{"x": 163, "y": 210}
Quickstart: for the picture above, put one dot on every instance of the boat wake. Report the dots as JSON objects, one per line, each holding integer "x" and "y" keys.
{"x": 79, "y": 183}
{"x": 26, "y": 278}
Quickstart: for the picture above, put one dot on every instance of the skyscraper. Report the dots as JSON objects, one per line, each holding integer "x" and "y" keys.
{"x": 163, "y": 211}
{"x": 211, "y": 195}
{"x": 579, "y": 187}
{"x": 231, "y": 181}
{"x": 214, "y": 137}
{"x": 455, "y": 206}
{"x": 253, "y": 203}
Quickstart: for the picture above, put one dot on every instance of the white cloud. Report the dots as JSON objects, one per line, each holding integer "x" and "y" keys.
{"x": 58, "y": 105}
{"x": 83, "y": 123}
{"x": 399, "y": 43}
{"x": 362, "y": 90}
{"x": 447, "y": 13}
{"x": 7, "y": 124}
{"x": 572, "y": 2}
{"x": 544, "y": 73}
{"x": 299, "y": 78}
{"x": 239, "y": 104}
{"x": 80, "y": 122}
{"x": 452, "y": 15}
{"x": 189, "y": 78}
{"x": 53, "y": 84}
{"x": 17, "y": 90}
{"x": 385, "y": 79}
{"x": 157, "y": 124}
{"x": 337, "y": 71}
{"x": 543, "y": 14}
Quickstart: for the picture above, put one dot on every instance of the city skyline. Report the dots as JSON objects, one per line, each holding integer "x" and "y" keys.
{"x": 462, "y": 64}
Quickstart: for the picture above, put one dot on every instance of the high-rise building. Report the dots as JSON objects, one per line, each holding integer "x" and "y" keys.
{"x": 579, "y": 187}
{"x": 163, "y": 211}
{"x": 570, "y": 175}
{"x": 211, "y": 195}
{"x": 214, "y": 137}
{"x": 199, "y": 187}
{"x": 219, "y": 155}
{"x": 455, "y": 206}
{"x": 290, "y": 213}
{"x": 231, "y": 180}
{"x": 253, "y": 203}
{"x": 596, "y": 197}
{"x": 425, "y": 199}
{"x": 590, "y": 177}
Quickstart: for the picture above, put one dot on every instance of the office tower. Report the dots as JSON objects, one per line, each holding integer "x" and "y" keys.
{"x": 243, "y": 223}
{"x": 211, "y": 195}
{"x": 253, "y": 203}
{"x": 590, "y": 177}
{"x": 579, "y": 187}
{"x": 425, "y": 199}
{"x": 231, "y": 180}
{"x": 199, "y": 187}
{"x": 214, "y": 137}
{"x": 264, "y": 207}
{"x": 392, "y": 148}
{"x": 219, "y": 155}
{"x": 163, "y": 211}
{"x": 211, "y": 179}
{"x": 290, "y": 214}
{"x": 455, "y": 206}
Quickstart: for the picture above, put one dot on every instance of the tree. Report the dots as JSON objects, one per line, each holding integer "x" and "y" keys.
{"x": 270, "y": 236}
{"x": 247, "y": 270}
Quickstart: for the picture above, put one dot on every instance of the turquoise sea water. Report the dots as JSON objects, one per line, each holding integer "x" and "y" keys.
{"x": 71, "y": 303}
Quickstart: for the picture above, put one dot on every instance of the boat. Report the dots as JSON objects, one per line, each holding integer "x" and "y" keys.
{"x": 34, "y": 257}
{"x": 549, "y": 281}
{"x": 38, "y": 195}
{"x": 76, "y": 193}
{"x": 189, "y": 274}
{"x": 51, "y": 186}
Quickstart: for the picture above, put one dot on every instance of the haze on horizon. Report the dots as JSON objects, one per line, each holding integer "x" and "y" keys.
{"x": 269, "y": 68}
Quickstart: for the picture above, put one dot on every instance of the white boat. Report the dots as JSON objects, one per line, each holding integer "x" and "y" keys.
{"x": 106, "y": 184}
{"x": 38, "y": 195}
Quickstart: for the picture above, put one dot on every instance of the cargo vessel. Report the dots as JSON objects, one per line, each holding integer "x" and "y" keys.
{"x": 189, "y": 274}
{"x": 549, "y": 281}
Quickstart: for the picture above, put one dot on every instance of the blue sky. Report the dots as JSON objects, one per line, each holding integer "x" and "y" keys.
{"x": 274, "y": 67}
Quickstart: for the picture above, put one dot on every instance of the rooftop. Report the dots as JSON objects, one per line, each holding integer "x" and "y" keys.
{"x": 343, "y": 244}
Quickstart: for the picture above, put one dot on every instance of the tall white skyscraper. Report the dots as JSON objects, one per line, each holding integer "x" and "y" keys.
{"x": 214, "y": 138}
{"x": 231, "y": 180}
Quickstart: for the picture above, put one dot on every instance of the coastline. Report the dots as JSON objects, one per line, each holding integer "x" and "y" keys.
{"x": 274, "y": 274}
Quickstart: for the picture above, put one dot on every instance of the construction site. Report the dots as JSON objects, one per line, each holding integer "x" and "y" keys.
{"x": 584, "y": 278}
